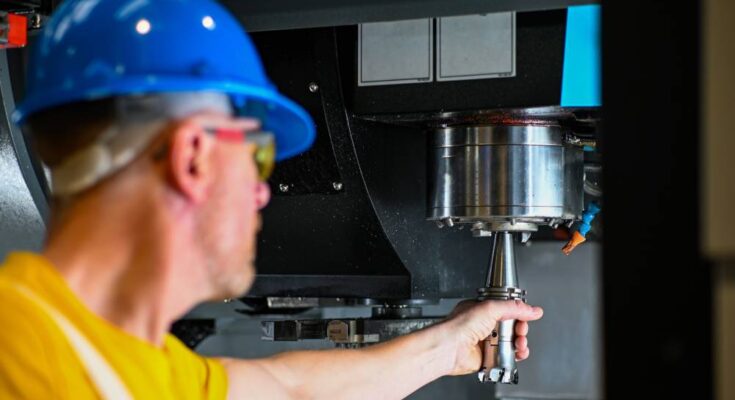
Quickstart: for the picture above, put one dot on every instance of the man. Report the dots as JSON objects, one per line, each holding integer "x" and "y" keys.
{"x": 152, "y": 118}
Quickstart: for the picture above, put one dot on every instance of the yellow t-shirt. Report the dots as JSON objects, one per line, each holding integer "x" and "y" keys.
{"x": 37, "y": 362}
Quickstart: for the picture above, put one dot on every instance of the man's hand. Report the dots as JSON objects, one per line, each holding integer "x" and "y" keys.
{"x": 471, "y": 322}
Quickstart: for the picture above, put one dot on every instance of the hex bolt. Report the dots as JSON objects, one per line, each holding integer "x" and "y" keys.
{"x": 283, "y": 187}
{"x": 36, "y": 21}
{"x": 337, "y": 186}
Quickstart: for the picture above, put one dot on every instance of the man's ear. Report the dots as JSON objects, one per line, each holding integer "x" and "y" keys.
{"x": 189, "y": 161}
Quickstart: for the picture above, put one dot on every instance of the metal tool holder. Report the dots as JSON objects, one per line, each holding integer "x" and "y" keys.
{"x": 498, "y": 361}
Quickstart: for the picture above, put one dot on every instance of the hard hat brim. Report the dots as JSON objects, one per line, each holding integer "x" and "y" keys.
{"x": 292, "y": 126}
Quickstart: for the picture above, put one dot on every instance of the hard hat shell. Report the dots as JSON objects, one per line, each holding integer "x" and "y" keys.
{"x": 93, "y": 49}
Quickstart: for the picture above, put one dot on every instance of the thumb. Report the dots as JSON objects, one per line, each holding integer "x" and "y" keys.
{"x": 513, "y": 309}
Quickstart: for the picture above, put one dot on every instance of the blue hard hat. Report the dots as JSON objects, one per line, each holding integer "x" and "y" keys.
{"x": 94, "y": 49}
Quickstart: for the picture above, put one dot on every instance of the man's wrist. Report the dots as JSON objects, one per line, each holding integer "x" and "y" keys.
{"x": 444, "y": 345}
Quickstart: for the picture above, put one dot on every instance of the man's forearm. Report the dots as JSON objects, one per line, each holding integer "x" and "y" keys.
{"x": 389, "y": 370}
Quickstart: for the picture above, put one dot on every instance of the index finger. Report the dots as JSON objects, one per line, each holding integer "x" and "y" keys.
{"x": 513, "y": 309}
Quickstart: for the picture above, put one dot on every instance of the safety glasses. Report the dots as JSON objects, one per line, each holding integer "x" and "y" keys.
{"x": 265, "y": 146}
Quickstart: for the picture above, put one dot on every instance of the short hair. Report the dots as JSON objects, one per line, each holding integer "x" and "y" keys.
{"x": 61, "y": 131}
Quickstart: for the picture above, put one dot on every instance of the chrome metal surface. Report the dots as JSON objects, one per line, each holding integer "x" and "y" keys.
{"x": 23, "y": 204}
{"x": 499, "y": 135}
{"x": 276, "y": 303}
{"x": 511, "y": 177}
{"x": 354, "y": 332}
{"x": 292, "y": 302}
{"x": 499, "y": 364}
{"x": 503, "y": 270}
{"x": 593, "y": 180}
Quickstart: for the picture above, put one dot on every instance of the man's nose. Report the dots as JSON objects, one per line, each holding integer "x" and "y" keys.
{"x": 262, "y": 195}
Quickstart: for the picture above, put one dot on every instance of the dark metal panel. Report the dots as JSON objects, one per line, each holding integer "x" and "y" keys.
{"x": 290, "y": 60}
{"x": 20, "y": 6}
{"x": 293, "y": 14}
{"x": 44, "y": 7}
{"x": 657, "y": 289}
{"x": 17, "y": 60}
{"x": 304, "y": 283}
{"x": 443, "y": 262}
{"x": 308, "y": 237}
{"x": 193, "y": 331}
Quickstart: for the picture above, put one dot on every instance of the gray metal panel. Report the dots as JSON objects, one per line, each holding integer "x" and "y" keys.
{"x": 566, "y": 359}
{"x": 476, "y": 46}
{"x": 293, "y": 14}
{"x": 395, "y": 52}
{"x": 23, "y": 206}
